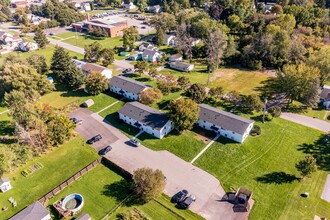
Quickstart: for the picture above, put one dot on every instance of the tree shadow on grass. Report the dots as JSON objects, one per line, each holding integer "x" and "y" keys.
{"x": 276, "y": 178}
{"x": 320, "y": 150}
{"x": 118, "y": 190}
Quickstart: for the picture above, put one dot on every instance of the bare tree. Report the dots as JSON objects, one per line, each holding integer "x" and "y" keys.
{"x": 184, "y": 40}
{"x": 216, "y": 45}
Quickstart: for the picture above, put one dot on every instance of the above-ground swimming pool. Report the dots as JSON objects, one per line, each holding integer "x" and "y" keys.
{"x": 73, "y": 203}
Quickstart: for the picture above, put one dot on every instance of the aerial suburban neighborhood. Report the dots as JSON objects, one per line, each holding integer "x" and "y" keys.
{"x": 164, "y": 109}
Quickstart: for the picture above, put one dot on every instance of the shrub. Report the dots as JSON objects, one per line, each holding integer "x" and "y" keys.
{"x": 275, "y": 111}
{"x": 268, "y": 117}
{"x": 256, "y": 130}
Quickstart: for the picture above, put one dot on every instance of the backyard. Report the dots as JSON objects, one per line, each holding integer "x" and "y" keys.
{"x": 258, "y": 165}
{"x": 58, "y": 165}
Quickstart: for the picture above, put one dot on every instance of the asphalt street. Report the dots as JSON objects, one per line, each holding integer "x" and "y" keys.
{"x": 179, "y": 173}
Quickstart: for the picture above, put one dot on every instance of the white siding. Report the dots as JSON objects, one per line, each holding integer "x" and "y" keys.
{"x": 154, "y": 132}
{"x": 224, "y": 132}
{"x": 126, "y": 94}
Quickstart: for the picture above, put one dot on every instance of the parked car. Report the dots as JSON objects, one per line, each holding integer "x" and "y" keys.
{"x": 105, "y": 150}
{"x": 180, "y": 196}
{"x": 128, "y": 70}
{"x": 94, "y": 139}
{"x": 76, "y": 121}
{"x": 187, "y": 202}
{"x": 51, "y": 34}
{"x": 143, "y": 27}
{"x": 134, "y": 142}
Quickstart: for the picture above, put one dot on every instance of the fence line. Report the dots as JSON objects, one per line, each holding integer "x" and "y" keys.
{"x": 69, "y": 181}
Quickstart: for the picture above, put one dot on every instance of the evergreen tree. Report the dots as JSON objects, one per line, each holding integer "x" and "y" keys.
{"x": 40, "y": 38}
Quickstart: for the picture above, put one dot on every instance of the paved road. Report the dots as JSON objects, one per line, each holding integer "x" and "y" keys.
{"x": 326, "y": 191}
{"x": 119, "y": 64}
{"x": 179, "y": 173}
{"x": 307, "y": 121}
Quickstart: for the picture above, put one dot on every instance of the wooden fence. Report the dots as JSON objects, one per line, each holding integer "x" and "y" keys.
{"x": 67, "y": 182}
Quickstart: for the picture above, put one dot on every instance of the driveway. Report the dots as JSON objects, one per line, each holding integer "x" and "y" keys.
{"x": 307, "y": 121}
{"x": 179, "y": 173}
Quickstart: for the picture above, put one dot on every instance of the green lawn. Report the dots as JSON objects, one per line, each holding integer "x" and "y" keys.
{"x": 266, "y": 165}
{"x": 83, "y": 40}
{"x": 158, "y": 209}
{"x": 67, "y": 34}
{"x": 101, "y": 189}
{"x": 318, "y": 113}
{"x": 6, "y": 125}
{"x": 61, "y": 98}
{"x": 59, "y": 165}
{"x": 186, "y": 145}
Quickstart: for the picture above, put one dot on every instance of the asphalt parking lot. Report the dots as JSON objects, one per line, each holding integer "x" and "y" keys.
{"x": 179, "y": 173}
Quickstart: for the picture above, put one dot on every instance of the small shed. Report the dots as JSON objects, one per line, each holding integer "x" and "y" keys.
{"x": 88, "y": 103}
{"x": 5, "y": 184}
{"x": 50, "y": 79}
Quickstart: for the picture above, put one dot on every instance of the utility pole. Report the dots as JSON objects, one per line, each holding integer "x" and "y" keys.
{"x": 265, "y": 109}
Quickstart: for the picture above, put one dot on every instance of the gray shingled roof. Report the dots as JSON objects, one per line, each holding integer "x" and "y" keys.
{"x": 35, "y": 211}
{"x": 181, "y": 64}
{"x": 149, "y": 53}
{"x": 128, "y": 84}
{"x": 176, "y": 56}
{"x": 91, "y": 67}
{"x": 4, "y": 180}
{"x": 224, "y": 119}
{"x": 145, "y": 115}
{"x": 325, "y": 93}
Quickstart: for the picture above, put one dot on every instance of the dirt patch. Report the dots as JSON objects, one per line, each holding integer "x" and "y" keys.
{"x": 202, "y": 137}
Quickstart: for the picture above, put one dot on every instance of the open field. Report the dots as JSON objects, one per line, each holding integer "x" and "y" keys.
{"x": 58, "y": 165}
{"x": 258, "y": 165}
{"x": 86, "y": 39}
{"x": 101, "y": 189}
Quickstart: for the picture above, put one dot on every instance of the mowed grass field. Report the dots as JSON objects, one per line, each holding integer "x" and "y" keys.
{"x": 84, "y": 40}
{"x": 101, "y": 188}
{"x": 58, "y": 165}
{"x": 266, "y": 165}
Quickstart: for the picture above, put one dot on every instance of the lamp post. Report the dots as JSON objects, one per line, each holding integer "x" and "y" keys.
{"x": 265, "y": 108}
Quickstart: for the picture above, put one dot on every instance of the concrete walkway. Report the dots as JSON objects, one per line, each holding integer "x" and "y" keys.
{"x": 205, "y": 148}
{"x": 109, "y": 106}
{"x": 4, "y": 112}
{"x": 307, "y": 121}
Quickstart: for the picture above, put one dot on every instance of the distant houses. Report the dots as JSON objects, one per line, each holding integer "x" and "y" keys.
{"x": 127, "y": 87}
{"x": 88, "y": 68}
{"x": 224, "y": 123}
{"x": 148, "y": 46}
{"x": 182, "y": 66}
{"x": 151, "y": 55}
{"x": 147, "y": 119}
{"x": 325, "y": 96}
{"x": 35, "y": 211}
{"x": 128, "y": 6}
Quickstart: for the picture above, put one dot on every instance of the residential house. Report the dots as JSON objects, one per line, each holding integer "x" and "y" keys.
{"x": 128, "y": 6}
{"x": 147, "y": 119}
{"x": 148, "y": 46}
{"x": 135, "y": 57}
{"x": 113, "y": 25}
{"x": 127, "y": 87}
{"x": 224, "y": 123}
{"x": 182, "y": 66}
{"x": 9, "y": 39}
{"x": 88, "y": 68}
{"x": 325, "y": 96}
{"x": 151, "y": 55}
{"x": 26, "y": 46}
{"x": 5, "y": 184}
{"x": 175, "y": 57}
{"x": 35, "y": 211}
{"x": 153, "y": 9}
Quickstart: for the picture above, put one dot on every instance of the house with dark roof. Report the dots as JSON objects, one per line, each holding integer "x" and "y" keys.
{"x": 35, "y": 211}
{"x": 325, "y": 96}
{"x": 127, "y": 87}
{"x": 224, "y": 123}
{"x": 147, "y": 119}
{"x": 182, "y": 66}
{"x": 151, "y": 55}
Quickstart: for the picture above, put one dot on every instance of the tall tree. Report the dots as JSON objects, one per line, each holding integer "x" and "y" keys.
{"x": 141, "y": 66}
{"x": 216, "y": 45}
{"x": 40, "y": 38}
{"x": 150, "y": 96}
{"x": 184, "y": 40}
{"x": 130, "y": 36}
{"x": 93, "y": 52}
{"x": 184, "y": 113}
{"x": 38, "y": 62}
{"x": 60, "y": 129}
{"x": 148, "y": 184}
{"x": 306, "y": 166}
{"x": 183, "y": 82}
{"x": 96, "y": 83}
{"x": 216, "y": 92}
{"x": 107, "y": 56}
{"x": 196, "y": 92}
{"x": 321, "y": 59}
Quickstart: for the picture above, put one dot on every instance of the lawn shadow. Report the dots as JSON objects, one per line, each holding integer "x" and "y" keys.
{"x": 114, "y": 120}
{"x": 118, "y": 190}
{"x": 6, "y": 128}
{"x": 91, "y": 37}
{"x": 143, "y": 79}
{"x": 224, "y": 141}
{"x": 320, "y": 150}
{"x": 276, "y": 178}
{"x": 257, "y": 118}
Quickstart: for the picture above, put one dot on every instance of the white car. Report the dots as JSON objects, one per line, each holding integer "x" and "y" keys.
{"x": 134, "y": 142}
